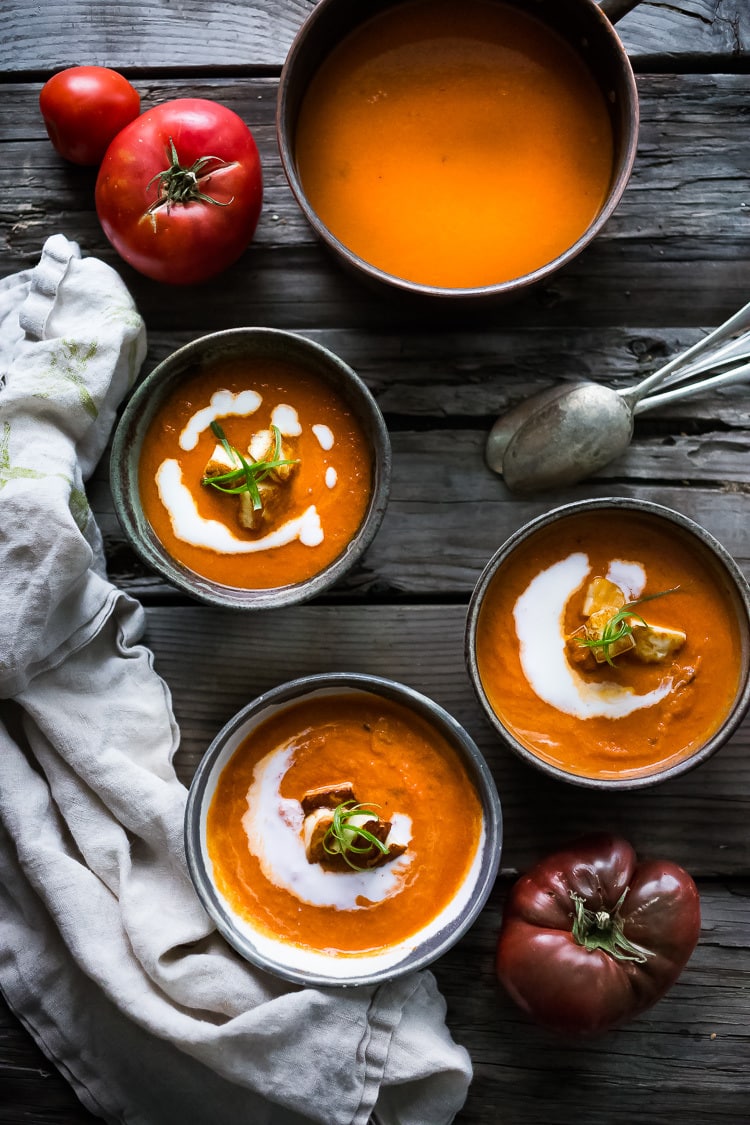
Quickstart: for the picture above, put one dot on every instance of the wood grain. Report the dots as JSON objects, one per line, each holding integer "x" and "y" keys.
{"x": 258, "y": 34}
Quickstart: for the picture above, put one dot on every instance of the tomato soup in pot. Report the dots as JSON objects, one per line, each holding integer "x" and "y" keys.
{"x": 455, "y": 145}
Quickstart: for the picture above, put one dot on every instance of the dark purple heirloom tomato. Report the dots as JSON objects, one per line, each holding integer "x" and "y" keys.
{"x": 591, "y": 937}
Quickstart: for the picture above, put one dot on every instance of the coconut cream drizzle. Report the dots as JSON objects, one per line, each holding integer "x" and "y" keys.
{"x": 273, "y": 826}
{"x": 187, "y": 522}
{"x": 286, "y": 419}
{"x": 324, "y": 434}
{"x": 222, "y": 404}
{"x": 191, "y": 527}
{"x": 539, "y": 615}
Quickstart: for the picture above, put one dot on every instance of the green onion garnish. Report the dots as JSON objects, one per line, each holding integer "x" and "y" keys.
{"x": 248, "y": 474}
{"x": 619, "y": 625}
{"x": 346, "y": 839}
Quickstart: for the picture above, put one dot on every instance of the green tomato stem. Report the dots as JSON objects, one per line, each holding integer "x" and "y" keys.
{"x": 603, "y": 929}
{"x": 180, "y": 184}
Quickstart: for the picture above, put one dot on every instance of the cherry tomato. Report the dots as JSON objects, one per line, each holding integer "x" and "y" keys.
{"x": 591, "y": 937}
{"x": 84, "y": 107}
{"x": 179, "y": 190}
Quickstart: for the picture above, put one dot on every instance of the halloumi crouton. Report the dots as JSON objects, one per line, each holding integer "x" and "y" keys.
{"x": 319, "y": 805}
{"x": 220, "y": 462}
{"x": 595, "y": 627}
{"x": 602, "y": 594}
{"x": 656, "y": 643}
{"x": 328, "y": 796}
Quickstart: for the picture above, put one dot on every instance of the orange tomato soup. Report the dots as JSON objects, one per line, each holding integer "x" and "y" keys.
{"x": 603, "y": 721}
{"x": 455, "y": 144}
{"x": 322, "y": 505}
{"x": 396, "y": 762}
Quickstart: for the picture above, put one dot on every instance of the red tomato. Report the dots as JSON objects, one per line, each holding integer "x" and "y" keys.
{"x": 591, "y": 937}
{"x": 180, "y": 189}
{"x": 84, "y": 107}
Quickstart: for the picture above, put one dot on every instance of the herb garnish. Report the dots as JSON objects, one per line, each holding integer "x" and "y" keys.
{"x": 249, "y": 473}
{"x": 345, "y": 839}
{"x": 619, "y": 625}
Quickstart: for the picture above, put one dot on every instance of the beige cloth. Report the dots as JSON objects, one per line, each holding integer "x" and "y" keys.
{"x": 105, "y": 953}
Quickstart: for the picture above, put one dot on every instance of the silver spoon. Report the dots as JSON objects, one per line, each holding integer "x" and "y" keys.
{"x": 566, "y": 432}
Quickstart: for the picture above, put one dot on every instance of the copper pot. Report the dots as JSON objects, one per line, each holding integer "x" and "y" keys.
{"x": 586, "y": 25}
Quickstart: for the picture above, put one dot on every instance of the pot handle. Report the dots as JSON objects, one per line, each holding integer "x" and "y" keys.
{"x": 614, "y": 10}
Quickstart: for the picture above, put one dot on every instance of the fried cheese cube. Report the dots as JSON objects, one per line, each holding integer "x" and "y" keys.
{"x": 220, "y": 462}
{"x": 318, "y": 806}
{"x": 654, "y": 644}
{"x": 271, "y": 497}
{"x": 261, "y": 448}
{"x": 328, "y": 796}
{"x": 602, "y": 594}
{"x": 595, "y": 627}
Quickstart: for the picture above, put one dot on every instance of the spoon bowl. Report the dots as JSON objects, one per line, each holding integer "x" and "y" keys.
{"x": 557, "y": 444}
{"x": 567, "y": 432}
{"x": 509, "y": 423}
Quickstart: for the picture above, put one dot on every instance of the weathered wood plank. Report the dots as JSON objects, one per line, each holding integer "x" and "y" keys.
{"x": 689, "y": 1049}
{"x": 432, "y": 377}
{"x": 229, "y": 33}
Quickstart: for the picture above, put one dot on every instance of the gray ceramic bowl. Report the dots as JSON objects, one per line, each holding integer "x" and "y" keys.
{"x": 727, "y": 577}
{"x": 583, "y": 23}
{"x": 306, "y": 966}
{"x": 251, "y": 344}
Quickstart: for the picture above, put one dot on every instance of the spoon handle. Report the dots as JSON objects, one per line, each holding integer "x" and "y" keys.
{"x": 721, "y": 359}
{"x": 614, "y": 10}
{"x": 728, "y": 331}
{"x": 735, "y": 375}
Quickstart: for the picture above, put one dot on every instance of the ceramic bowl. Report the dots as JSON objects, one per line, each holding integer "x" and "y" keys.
{"x": 254, "y": 345}
{"x": 300, "y": 964}
{"x": 543, "y": 729}
{"x": 582, "y": 23}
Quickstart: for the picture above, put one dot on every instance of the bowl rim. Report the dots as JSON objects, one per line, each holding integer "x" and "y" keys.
{"x": 138, "y": 413}
{"x": 691, "y": 528}
{"x": 621, "y": 172}
{"x": 286, "y": 694}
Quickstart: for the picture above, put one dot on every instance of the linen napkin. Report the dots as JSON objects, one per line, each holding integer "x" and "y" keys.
{"x": 105, "y": 952}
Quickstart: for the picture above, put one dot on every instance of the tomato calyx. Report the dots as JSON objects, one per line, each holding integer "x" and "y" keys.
{"x": 602, "y": 929}
{"x": 180, "y": 184}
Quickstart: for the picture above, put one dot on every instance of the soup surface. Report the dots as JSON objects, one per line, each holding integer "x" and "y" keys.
{"x": 633, "y": 715}
{"x": 455, "y": 145}
{"x": 311, "y": 517}
{"x": 396, "y": 763}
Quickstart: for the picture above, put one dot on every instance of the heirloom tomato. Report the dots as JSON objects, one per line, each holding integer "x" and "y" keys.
{"x": 179, "y": 190}
{"x": 84, "y": 107}
{"x": 591, "y": 936}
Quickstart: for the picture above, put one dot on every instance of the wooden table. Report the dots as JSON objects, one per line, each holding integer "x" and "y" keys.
{"x": 674, "y": 261}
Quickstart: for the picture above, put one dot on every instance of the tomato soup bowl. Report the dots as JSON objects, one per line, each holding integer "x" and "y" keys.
{"x": 324, "y": 932}
{"x": 192, "y": 373}
{"x": 668, "y": 698}
{"x": 386, "y": 257}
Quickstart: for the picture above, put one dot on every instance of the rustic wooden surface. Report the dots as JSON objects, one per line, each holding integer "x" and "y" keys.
{"x": 673, "y": 261}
